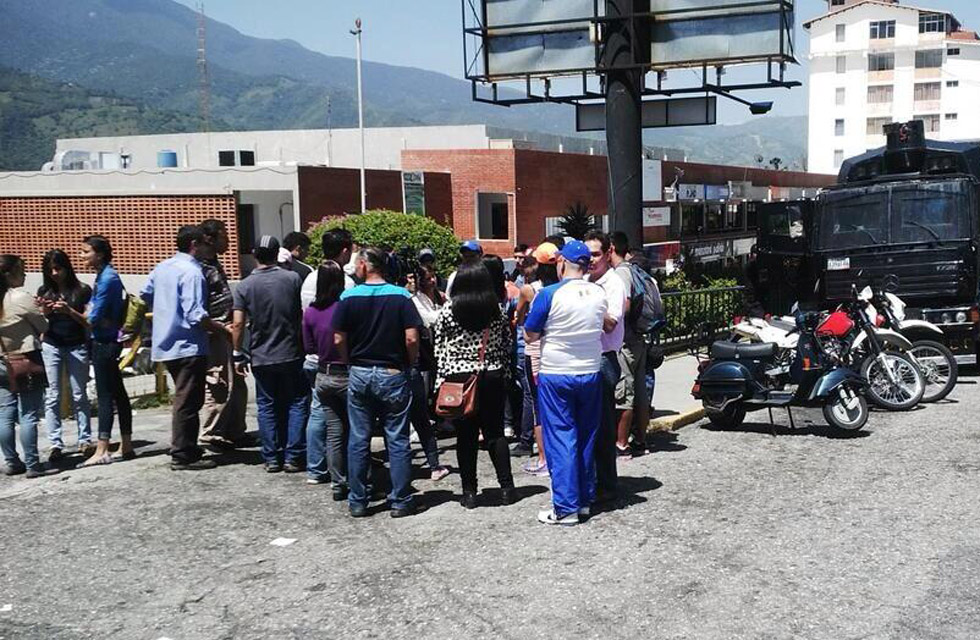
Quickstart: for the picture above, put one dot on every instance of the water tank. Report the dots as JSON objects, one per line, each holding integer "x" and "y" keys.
{"x": 167, "y": 159}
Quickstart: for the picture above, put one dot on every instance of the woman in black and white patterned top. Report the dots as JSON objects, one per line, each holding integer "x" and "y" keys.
{"x": 472, "y": 313}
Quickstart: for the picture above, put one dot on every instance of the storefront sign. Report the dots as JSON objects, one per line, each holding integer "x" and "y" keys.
{"x": 690, "y": 192}
{"x": 716, "y": 192}
{"x": 656, "y": 216}
{"x": 709, "y": 251}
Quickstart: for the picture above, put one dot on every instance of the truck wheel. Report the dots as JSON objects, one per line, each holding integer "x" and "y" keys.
{"x": 938, "y": 366}
{"x": 730, "y": 417}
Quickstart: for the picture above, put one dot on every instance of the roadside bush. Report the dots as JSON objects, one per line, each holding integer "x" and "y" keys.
{"x": 394, "y": 229}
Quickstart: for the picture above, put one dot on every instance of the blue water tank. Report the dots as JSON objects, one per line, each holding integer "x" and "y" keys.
{"x": 167, "y": 159}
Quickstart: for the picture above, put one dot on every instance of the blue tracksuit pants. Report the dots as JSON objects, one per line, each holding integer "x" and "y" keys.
{"x": 570, "y": 411}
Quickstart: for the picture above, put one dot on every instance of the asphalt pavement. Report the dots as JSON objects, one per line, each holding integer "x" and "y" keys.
{"x": 763, "y": 532}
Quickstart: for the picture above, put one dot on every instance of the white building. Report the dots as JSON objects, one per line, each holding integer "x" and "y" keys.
{"x": 873, "y": 62}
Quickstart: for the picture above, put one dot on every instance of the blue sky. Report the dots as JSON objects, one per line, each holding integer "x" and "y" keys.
{"x": 427, "y": 33}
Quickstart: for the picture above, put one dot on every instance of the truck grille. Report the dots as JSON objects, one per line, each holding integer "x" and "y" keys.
{"x": 920, "y": 275}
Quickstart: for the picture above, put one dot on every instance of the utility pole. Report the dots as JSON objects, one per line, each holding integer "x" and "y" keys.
{"x": 624, "y": 47}
{"x": 204, "y": 80}
{"x": 356, "y": 32}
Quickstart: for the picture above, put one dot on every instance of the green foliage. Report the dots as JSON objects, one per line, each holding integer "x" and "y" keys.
{"x": 394, "y": 229}
{"x": 577, "y": 221}
{"x": 689, "y": 312}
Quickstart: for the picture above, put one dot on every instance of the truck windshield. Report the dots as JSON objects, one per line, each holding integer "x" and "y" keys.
{"x": 934, "y": 211}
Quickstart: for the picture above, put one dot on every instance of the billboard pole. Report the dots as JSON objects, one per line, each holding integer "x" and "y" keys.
{"x": 623, "y": 120}
{"x": 356, "y": 32}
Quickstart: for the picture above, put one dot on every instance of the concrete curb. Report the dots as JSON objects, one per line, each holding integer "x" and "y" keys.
{"x": 673, "y": 423}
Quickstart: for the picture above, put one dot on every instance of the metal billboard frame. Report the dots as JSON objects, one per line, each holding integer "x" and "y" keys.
{"x": 525, "y": 90}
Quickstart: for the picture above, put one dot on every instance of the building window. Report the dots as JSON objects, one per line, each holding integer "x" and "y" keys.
{"x": 928, "y": 91}
{"x": 953, "y": 52}
{"x": 929, "y": 59}
{"x": 882, "y": 29}
{"x": 932, "y": 22}
{"x": 951, "y": 116}
{"x": 838, "y": 157}
{"x": 226, "y": 158}
{"x": 839, "y": 127}
{"x": 246, "y": 158}
{"x": 841, "y": 32}
{"x": 881, "y": 94}
{"x": 881, "y": 61}
{"x": 952, "y": 83}
{"x": 839, "y": 96}
{"x": 930, "y": 122}
{"x": 492, "y": 216}
{"x": 837, "y": 3}
{"x": 875, "y": 126}
{"x": 841, "y": 64}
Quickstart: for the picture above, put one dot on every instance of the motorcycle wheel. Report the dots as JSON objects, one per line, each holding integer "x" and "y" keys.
{"x": 938, "y": 366}
{"x": 904, "y": 395}
{"x": 847, "y": 411}
{"x": 730, "y": 417}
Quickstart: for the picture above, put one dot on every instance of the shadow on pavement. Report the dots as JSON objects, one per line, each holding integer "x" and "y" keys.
{"x": 664, "y": 441}
{"x": 764, "y": 428}
{"x": 630, "y": 490}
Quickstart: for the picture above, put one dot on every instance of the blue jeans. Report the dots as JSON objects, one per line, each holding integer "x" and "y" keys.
{"x": 75, "y": 360}
{"x": 110, "y": 389}
{"x": 27, "y": 404}
{"x": 651, "y": 382}
{"x": 385, "y": 394}
{"x": 529, "y": 417}
{"x": 282, "y": 398}
{"x": 326, "y": 434}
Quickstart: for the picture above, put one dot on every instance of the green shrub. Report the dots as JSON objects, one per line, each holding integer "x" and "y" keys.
{"x": 395, "y": 229}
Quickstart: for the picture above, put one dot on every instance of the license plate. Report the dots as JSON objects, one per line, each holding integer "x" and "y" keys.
{"x": 838, "y": 264}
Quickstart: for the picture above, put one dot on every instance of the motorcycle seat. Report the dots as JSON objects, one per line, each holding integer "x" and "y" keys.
{"x": 724, "y": 350}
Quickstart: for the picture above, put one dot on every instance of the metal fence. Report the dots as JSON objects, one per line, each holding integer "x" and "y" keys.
{"x": 697, "y": 315}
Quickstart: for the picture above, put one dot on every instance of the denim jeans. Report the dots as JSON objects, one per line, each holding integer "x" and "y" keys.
{"x": 420, "y": 419}
{"x": 384, "y": 394}
{"x": 605, "y": 442}
{"x": 27, "y": 404}
{"x": 109, "y": 387}
{"x": 651, "y": 382}
{"x": 75, "y": 360}
{"x": 316, "y": 427}
{"x": 326, "y": 440}
{"x": 282, "y": 398}
{"x": 529, "y": 417}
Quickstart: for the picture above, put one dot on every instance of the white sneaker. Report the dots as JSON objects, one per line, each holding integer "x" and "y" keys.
{"x": 549, "y": 517}
{"x": 508, "y": 432}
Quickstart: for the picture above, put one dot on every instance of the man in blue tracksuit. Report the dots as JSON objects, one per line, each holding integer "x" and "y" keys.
{"x": 568, "y": 319}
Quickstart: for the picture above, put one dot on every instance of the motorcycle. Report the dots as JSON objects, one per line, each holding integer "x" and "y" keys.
{"x": 937, "y": 362}
{"x": 742, "y": 377}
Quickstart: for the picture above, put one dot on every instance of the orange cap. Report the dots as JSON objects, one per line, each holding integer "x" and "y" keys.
{"x": 545, "y": 253}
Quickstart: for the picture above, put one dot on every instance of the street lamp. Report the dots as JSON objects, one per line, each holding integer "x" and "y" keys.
{"x": 356, "y": 32}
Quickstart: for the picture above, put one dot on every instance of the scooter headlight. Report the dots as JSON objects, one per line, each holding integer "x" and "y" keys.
{"x": 947, "y": 317}
{"x": 961, "y": 316}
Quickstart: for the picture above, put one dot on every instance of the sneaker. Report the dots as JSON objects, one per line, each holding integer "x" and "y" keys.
{"x": 15, "y": 469}
{"x": 56, "y": 454}
{"x": 638, "y": 449}
{"x": 414, "y": 508}
{"x": 358, "y": 511}
{"x": 521, "y": 450}
{"x": 508, "y": 432}
{"x": 584, "y": 512}
{"x": 535, "y": 468}
{"x": 318, "y": 480}
{"x": 273, "y": 467}
{"x": 41, "y": 471}
{"x": 293, "y": 467}
{"x": 340, "y": 492}
{"x": 197, "y": 465}
{"x": 439, "y": 473}
{"x": 414, "y": 437}
{"x": 624, "y": 452}
{"x": 468, "y": 500}
{"x": 549, "y": 517}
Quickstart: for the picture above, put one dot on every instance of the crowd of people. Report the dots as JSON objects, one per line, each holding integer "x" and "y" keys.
{"x": 552, "y": 354}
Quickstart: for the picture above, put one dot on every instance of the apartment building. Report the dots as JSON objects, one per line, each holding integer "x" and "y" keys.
{"x": 873, "y": 62}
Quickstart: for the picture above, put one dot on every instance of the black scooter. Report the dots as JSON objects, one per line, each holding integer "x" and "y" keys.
{"x": 735, "y": 381}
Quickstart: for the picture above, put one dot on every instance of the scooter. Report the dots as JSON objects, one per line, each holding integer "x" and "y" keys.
{"x": 735, "y": 381}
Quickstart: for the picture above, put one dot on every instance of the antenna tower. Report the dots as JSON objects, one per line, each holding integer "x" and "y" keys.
{"x": 204, "y": 79}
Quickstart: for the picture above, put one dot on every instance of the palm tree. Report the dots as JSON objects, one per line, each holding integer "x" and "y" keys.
{"x": 577, "y": 221}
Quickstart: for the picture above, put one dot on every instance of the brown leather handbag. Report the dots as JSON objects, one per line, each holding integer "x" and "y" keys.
{"x": 21, "y": 370}
{"x": 459, "y": 399}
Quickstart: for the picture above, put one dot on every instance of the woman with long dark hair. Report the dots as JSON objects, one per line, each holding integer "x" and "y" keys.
{"x": 22, "y": 378}
{"x": 63, "y": 297}
{"x": 472, "y": 336}
{"x": 544, "y": 273}
{"x": 105, "y": 317}
{"x": 326, "y": 441}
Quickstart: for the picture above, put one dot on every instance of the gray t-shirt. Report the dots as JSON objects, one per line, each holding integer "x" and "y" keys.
{"x": 270, "y": 297}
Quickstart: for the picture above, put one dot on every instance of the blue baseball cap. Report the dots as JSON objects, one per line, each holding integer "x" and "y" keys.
{"x": 576, "y": 251}
{"x": 471, "y": 245}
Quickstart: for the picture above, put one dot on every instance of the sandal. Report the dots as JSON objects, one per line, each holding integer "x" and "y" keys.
{"x": 103, "y": 459}
{"x": 128, "y": 455}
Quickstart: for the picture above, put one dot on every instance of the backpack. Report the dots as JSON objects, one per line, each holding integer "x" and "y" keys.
{"x": 646, "y": 312}
{"x": 134, "y": 311}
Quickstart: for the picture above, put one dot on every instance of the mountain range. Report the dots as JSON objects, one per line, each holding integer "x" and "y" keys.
{"x": 97, "y": 67}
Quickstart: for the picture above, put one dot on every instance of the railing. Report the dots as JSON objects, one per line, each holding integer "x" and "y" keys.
{"x": 696, "y": 315}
